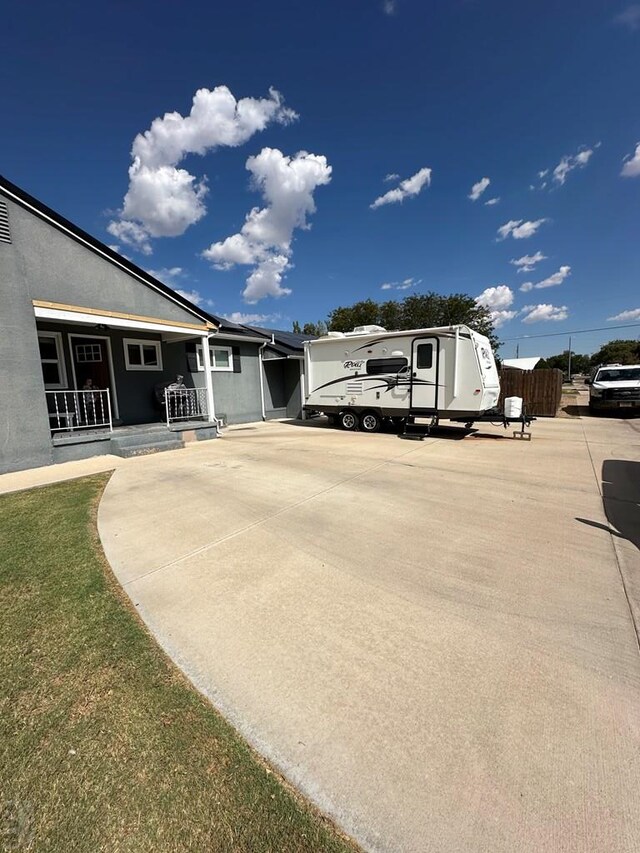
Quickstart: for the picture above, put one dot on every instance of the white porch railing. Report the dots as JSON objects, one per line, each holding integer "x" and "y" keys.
{"x": 185, "y": 404}
{"x": 72, "y": 410}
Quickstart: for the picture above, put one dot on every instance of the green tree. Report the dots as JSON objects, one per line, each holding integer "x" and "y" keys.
{"x": 346, "y": 318}
{"x": 617, "y": 352}
{"x": 418, "y": 311}
{"x": 318, "y": 329}
{"x": 296, "y": 328}
{"x": 579, "y": 363}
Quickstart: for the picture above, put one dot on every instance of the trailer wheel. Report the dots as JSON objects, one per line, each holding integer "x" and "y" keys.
{"x": 370, "y": 422}
{"x": 348, "y": 420}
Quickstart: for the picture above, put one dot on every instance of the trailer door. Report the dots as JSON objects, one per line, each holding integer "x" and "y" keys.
{"x": 424, "y": 374}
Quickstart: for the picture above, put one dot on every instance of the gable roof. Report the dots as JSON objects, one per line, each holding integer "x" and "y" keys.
{"x": 33, "y": 205}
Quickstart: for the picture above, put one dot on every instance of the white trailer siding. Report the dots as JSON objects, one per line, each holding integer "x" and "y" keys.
{"x": 446, "y": 372}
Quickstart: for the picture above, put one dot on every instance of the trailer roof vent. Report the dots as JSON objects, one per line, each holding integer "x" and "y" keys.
{"x": 5, "y": 233}
{"x": 335, "y": 334}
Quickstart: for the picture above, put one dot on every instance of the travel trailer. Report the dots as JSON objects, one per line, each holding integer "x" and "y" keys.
{"x": 360, "y": 378}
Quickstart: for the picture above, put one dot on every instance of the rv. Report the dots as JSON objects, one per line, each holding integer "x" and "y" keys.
{"x": 360, "y": 378}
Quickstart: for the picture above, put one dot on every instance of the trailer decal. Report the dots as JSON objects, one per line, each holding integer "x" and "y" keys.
{"x": 385, "y": 339}
{"x": 388, "y": 382}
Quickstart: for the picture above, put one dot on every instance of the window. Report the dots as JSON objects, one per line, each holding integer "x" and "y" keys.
{"x": 88, "y": 352}
{"x": 52, "y": 360}
{"x": 142, "y": 355}
{"x": 221, "y": 358}
{"x": 424, "y": 359}
{"x": 618, "y": 375}
{"x": 376, "y": 366}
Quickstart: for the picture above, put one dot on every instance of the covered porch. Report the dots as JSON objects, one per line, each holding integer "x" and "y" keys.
{"x": 118, "y": 379}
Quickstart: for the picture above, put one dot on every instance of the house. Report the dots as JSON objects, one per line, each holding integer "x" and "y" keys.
{"x": 283, "y": 373}
{"x": 91, "y": 346}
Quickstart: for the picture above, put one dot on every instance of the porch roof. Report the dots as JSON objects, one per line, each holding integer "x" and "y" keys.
{"x": 93, "y": 316}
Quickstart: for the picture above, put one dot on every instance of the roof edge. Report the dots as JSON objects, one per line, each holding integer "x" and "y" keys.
{"x": 34, "y": 205}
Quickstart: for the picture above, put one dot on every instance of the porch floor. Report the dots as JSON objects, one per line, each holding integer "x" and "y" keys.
{"x": 82, "y": 436}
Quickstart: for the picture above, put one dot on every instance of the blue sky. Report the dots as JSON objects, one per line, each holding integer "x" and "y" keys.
{"x": 443, "y": 92}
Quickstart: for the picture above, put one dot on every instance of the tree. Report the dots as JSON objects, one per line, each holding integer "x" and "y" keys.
{"x": 579, "y": 363}
{"x": 317, "y": 329}
{"x": 617, "y": 352}
{"x": 419, "y": 311}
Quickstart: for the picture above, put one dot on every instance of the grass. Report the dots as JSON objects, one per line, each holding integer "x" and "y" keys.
{"x": 104, "y": 746}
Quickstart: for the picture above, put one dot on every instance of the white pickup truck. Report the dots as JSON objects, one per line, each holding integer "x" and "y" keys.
{"x": 615, "y": 386}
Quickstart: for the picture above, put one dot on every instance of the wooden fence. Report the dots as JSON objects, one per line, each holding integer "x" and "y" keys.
{"x": 541, "y": 390}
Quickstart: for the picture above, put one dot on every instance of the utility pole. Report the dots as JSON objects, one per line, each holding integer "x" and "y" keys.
{"x": 517, "y": 350}
{"x": 569, "y": 367}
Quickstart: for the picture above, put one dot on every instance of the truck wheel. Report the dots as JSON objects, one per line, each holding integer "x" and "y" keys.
{"x": 370, "y": 422}
{"x": 348, "y": 420}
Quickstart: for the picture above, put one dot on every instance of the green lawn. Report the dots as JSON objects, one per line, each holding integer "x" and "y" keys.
{"x": 104, "y": 746}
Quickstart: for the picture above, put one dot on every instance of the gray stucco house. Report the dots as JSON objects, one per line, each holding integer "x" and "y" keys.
{"x": 283, "y": 372}
{"x": 91, "y": 345}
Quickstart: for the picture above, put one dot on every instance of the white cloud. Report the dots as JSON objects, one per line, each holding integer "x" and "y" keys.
{"x": 551, "y": 281}
{"x": 168, "y": 274}
{"x": 629, "y": 17}
{"x": 266, "y": 279}
{"x": 519, "y": 229}
{"x": 287, "y": 185}
{"x": 192, "y": 295}
{"x": 406, "y": 189}
{"x": 478, "y": 188}
{"x": 544, "y": 312}
{"x": 527, "y": 262}
{"x": 490, "y": 202}
{"x": 566, "y": 165}
{"x": 500, "y": 296}
{"x": 392, "y": 176}
{"x": 497, "y": 299}
{"x": 401, "y": 285}
{"x": 389, "y": 7}
{"x": 631, "y": 168}
{"x": 499, "y": 318}
{"x": 623, "y": 316}
{"x": 162, "y": 200}
{"x": 250, "y": 319}
{"x": 132, "y": 234}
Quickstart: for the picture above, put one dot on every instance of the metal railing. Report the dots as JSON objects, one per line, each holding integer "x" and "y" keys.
{"x": 72, "y": 410}
{"x": 185, "y": 404}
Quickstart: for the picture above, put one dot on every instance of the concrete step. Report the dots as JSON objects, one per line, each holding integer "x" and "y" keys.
{"x": 136, "y": 439}
{"x": 128, "y": 451}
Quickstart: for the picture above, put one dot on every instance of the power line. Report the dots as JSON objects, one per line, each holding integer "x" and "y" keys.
{"x": 575, "y": 332}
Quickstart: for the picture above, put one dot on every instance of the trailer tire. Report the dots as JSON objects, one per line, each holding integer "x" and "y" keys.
{"x": 348, "y": 420}
{"x": 370, "y": 422}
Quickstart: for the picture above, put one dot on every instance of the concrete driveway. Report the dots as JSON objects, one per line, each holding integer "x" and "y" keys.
{"x": 433, "y": 640}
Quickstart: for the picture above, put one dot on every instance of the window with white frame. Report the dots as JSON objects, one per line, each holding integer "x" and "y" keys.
{"x": 88, "y": 352}
{"x": 142, "y": 355}
{"x": 221, "y": 357}
{"x": 52, "y": 360}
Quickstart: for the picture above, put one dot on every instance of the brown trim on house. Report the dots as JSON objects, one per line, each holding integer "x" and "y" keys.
{"x": 59, "y": 306}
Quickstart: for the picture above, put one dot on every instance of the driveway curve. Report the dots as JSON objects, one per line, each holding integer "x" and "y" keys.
{"x": 433, "y": 640}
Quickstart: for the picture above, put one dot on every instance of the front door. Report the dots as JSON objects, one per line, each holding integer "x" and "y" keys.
{"x": 90, "y": 361}
{"x": 424, "y": 374}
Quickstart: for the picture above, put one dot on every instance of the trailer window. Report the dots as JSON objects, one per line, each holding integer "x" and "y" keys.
{"x": 376, "y": 366}
{"x": 424, "y": 356}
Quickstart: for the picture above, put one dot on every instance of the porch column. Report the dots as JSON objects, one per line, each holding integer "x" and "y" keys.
{"x": 303, "y": 414}
{"x": 208, "y": 378}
